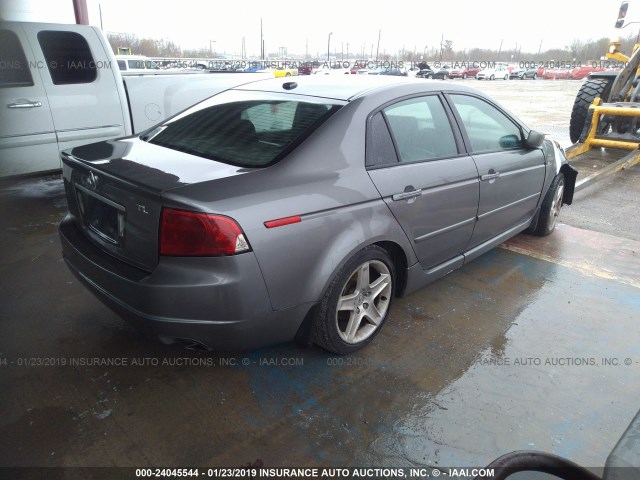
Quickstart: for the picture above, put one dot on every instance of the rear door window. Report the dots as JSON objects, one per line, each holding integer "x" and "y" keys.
{"x": 68, "y": 57}
{"x": 249, "y": 132}
{"x": 14, "y": 68}
{"x": 421, "y": 129}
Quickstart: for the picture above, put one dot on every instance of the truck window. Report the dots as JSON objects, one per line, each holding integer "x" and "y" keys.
{"x": 68, "y": 57}
{"x": 122, "y": 65}
{"x": 14, "y": 68}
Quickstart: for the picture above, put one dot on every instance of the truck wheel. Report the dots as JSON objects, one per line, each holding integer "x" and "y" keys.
{"x": 550, "y": 208}
{"x": 492, "y": 77}
{"x": 580, "y": 119}
{"x": 356, "y": 303}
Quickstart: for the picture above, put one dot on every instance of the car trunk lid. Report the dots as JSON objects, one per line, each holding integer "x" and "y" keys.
{"x": 114, "y": 190}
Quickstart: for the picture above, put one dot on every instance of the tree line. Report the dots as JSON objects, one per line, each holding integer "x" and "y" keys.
{"x": 580, "y": 50}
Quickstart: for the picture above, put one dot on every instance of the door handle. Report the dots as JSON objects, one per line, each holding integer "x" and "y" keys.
{"x": 407, "y": 195}
{"x": 490, "y": 176}
{"x": 25, "y": 105}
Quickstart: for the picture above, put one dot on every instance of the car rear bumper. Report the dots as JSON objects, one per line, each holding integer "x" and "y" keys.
{"x": 219, "y": 302}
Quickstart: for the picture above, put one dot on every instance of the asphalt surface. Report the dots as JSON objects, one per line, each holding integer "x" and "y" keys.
{"x": 532, "y": 346}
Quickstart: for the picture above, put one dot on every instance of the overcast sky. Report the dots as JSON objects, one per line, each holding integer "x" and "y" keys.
{"x": 415, "y": 25}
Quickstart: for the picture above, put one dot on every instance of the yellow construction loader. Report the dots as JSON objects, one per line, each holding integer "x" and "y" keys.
{"x": 605, "y": 120}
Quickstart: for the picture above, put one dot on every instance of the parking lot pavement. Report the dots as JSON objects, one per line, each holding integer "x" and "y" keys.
{"x": 525, "y": 348}
{"x": 531, "y": 346}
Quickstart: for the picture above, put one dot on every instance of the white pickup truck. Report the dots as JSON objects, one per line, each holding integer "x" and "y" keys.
{"x": 60, "y": 86}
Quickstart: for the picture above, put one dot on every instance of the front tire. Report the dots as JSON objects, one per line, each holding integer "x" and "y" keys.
{"x": 580, "y": 118}
{"x": 356, "y": 303}
{"x": 464, "y": 76}
{"x": 550, "y": 209}
{"x": 492, "y": 77}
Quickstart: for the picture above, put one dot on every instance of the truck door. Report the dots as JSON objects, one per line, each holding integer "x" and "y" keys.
{"x": 82, "y": 81}
{"x": 27, "y": 137}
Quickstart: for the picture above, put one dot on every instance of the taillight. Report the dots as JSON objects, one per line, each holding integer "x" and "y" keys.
{"x": 191, "y": 234}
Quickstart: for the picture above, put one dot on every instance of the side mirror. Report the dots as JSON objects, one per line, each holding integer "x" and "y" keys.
{"x": 510, "y": 141}
{"x": 534, "y": 140}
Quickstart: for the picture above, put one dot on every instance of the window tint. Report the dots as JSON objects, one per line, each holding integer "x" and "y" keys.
{"x": 487, "y": 127}
{"x": 68, "y": 57}
{"x": 380, "y": 149}
{"x": 421, "y": 129}
{"x": 14, "y": 68}
{"x": 250, "y": 133}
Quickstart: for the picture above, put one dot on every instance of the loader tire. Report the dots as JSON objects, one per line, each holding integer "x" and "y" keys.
{"x": 580, "y": 119}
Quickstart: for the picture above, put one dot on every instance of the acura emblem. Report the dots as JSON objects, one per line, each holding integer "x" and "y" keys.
{"x": 92, "y": 180}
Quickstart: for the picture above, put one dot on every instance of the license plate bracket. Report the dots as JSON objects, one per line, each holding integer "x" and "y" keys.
{"x": 102, "y": 216}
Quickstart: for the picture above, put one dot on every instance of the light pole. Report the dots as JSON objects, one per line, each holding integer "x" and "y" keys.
{"x": 211, "y": 42}
{"x": 329, "y": 46}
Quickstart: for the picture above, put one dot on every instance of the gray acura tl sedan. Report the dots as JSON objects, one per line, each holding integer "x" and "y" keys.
{"x": 299, "y": 209}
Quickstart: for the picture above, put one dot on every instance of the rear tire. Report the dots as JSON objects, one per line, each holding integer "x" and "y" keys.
{"x": 492, "y": 77}
{"x": 356, "y": 303}
{"x": 580, "y": 119}
{"x": 550, "y": 209}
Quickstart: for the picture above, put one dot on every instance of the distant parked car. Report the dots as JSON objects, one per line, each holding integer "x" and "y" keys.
{"x": 333, "y": 69}
{"x": 442, "y": 73}
{"x": 499, "y": 71}
{"x": 285, "y": 71}
{"x": 464, "y": 72}
{"x": 280, "y": 71}
{"x": 515, "y": 73}
{"x": 137, "y": 64}
{"x": 305, "y": 68}
{"x": 412, "y": 71}
{"x": 579, "y": 73}
{"x": 528, "y": 73}
{"x": 556, "y": 74}
{"x": 425, "y": 73}
{"x": 394, "y": 71}
{"x": 391, "y": 71}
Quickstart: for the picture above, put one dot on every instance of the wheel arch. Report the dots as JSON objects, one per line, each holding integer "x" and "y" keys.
{"x": 400, "y": 264}
{"x": 392, "y": 247}
{"x": 305, "y": 333}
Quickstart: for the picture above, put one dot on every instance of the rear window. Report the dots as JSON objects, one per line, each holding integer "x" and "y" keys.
{"x": 243, "y": 128}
